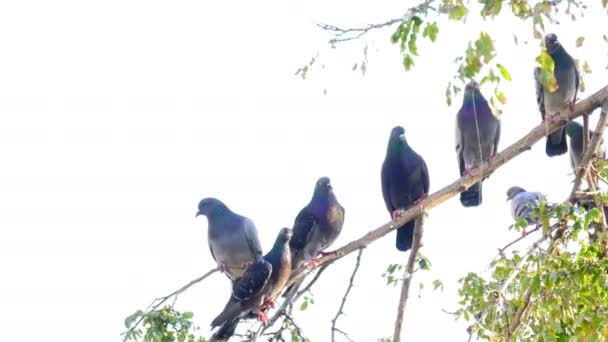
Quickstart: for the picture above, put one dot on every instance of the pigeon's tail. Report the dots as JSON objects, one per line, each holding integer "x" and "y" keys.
{"x": 405, "y": 236}
{"x": 231, "y": 312}
{"x": 226, "y": 331}
{"x": 556, "y": 143}
{"x": 472, "y": 196}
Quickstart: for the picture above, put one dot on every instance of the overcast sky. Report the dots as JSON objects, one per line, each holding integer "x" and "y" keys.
{"x": 117, "y": 117}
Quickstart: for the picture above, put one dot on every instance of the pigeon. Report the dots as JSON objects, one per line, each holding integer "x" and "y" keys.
{"x": 523, "y": 203}
{"x": 261, "y": 283}
{"x": 317, "y": 225}
{"x": 233, "y": 239}
{"x": 477, "y": 136}
{"x": 574, "y": 130}
{"x": 550, "y": 103}
{"x": 405, "y": 181}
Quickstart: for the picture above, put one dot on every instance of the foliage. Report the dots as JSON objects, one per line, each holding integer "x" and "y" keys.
{"x": 553, "y": 293}
{"x": 164, "y": 325}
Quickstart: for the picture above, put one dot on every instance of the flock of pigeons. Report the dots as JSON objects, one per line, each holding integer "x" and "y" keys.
{"x": 257, "y": 280}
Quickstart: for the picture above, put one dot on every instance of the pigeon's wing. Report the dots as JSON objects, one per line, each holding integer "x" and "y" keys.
{"x": 253, "y": 281}
{"x": 303, "y": 227}
{"x": 576, "y": 82}
{"x": 496, "y": 138}
{"x": 540, "y": 92}
{"x": 425, "y": 176}
{"x": 251, "y": 236}
{"x": 459, "y": 147}
{"x": 386, "y": 185}
{"x": 211, "y": 249}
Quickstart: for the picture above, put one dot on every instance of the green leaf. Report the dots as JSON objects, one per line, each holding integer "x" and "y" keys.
{"x": 579, "y": 41}
{"x": 457, "y": 12}
{"x": 131, "y": 318}
{"x": 504, "y": 72}
{"x": 304, "y": 305}
{"x": 187, "y": 315}
{"x": 431, "y": 30}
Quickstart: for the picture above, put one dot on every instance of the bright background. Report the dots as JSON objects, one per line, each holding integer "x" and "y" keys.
{"x": 117, "y": 117}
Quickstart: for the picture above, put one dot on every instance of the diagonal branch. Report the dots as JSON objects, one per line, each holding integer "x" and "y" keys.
{"x": 341, "y": 309}
{"x": 408, "y": 274}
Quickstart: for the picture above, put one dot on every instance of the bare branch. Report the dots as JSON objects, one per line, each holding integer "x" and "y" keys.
{"x": 408, "y": 274}
{"x": 346, "y": 34}
{"x": 341, "y": 309}
{"x": 590, "y": 152}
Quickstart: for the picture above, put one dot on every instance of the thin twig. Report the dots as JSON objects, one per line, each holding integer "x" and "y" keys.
{"x": 160, "y": 300}
{"x": 590, "y": 152}
{"x": 341, "y": 309}
{"x": 408, "y": 274}
{"x": 346, "y": 34}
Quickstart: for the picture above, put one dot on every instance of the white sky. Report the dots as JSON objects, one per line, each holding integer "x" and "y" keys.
{"x": 117, "y": 117}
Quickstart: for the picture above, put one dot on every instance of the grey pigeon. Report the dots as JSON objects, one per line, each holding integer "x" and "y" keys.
{"x": 477, "y": 136}
{"x": 233, "y": 239}
{"x": 523, "y": 203}
{"x": 405, "y": 181}
{"x": 549, "y": 103}
{"x": 575, "y": 133}
{"x": 260, "y": 284}
{"x": 317, "y": 225}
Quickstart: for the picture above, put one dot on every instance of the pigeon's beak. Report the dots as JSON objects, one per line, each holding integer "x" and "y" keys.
{"x": 402, "y": 137}
{"x": 198, "y": 213}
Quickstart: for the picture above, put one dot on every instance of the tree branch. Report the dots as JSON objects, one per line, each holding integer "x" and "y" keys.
{"x": 341, "y": 309}
{"x": 408, "y": 274}
{"x": 591, "y": 150}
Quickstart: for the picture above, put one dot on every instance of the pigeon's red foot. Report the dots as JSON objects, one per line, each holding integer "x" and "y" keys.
{"x": 262, "y": 317}
{"x": 268, "y": 304}
{"x": 246, "y": 265}
{"x": 222, "y": 267}
{"x": 313, "y": 263}
{"x": 469, "y": 170}
{"x": 397, "y": 213}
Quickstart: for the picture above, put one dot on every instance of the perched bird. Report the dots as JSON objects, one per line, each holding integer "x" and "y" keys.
{"x": 523, "y": 203}
{"x": 405, "y": 181}
{"x": 549, "y": 103}
{"x": 575, "y": 133}
{"x": 233, "y": 239}
{"x": 317, "y": 225}
{"x": 477, "y": 136}
{"x": 260, "y": 284}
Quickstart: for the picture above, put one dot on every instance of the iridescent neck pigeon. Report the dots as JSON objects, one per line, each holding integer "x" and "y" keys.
{"x": 233, "y": 239}
{"x": 523, "y": 203}
{"x": 317, "y": 225}
{"x": 260, "y": 284}
{"x": 405, "y": 181}
{"x": 575, "y": 133}
{"x": 477, "y": 136}
{"x": 549, "y": 102}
